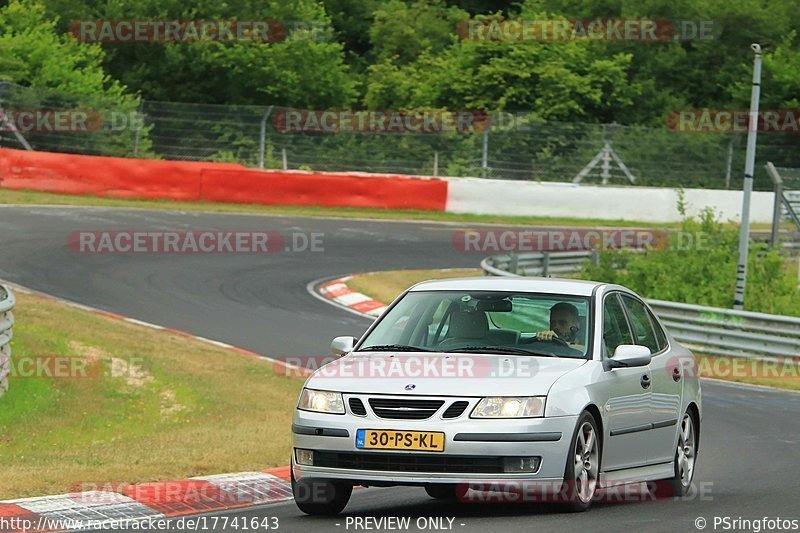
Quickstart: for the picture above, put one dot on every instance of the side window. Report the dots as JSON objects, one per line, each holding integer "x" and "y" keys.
{"x": 661, "y": 337}
{"x": 640, "y": 323}
{"x": 615, "y": 327}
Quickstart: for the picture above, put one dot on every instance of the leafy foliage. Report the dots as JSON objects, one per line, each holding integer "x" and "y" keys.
{"x": 699, "y": 267}
{"x": 67, "y": 75}
{"x": 409, "y": 54}
{"x": 306, "y": 69}
{"x": 34, "y": 53}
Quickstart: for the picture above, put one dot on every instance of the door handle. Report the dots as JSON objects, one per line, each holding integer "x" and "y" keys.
{"x": 676, "y": 374}
{"x": 645, "y": 381}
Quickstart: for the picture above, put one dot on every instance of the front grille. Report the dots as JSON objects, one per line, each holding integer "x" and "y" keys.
{"x": 455, "y": 410}
{"x": 399, "y": 462}
{"x": 404, "y": 409}
{"x": 357, "y": 407}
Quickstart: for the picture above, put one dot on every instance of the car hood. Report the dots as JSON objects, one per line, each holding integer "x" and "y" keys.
{"x": 445, "y": 374}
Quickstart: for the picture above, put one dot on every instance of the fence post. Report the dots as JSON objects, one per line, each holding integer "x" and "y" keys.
{"x": 545, "y": 264}
{"x": 436, "y": 164}
{"x": 285, "y": 162}
{"x": 595, "y": 257}
{"x": 485, "y": 154}
{"x": 139, "y": 122}
{"x": 776, "y": 207}
{"x": 730, "y": 163}
{"x": 776, "y": 213}
{"x": 513, "y": 263}
{"x": 263, "y": 138}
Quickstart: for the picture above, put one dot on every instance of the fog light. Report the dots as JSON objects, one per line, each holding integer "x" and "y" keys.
{"x": 304, "y": 457}
{"x": 520, "y": 464}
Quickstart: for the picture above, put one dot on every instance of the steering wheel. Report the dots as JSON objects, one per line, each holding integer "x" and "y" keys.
{"x": 556, "y": 339}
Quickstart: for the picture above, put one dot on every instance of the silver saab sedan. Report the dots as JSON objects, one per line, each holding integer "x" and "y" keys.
{"x": 469, "y": 385}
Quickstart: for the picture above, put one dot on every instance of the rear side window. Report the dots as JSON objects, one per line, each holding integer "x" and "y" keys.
{"x": 615, "y": 327}
{"x": 643, "y": 332}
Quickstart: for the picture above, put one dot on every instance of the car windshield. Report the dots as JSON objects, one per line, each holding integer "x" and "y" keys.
{"x": 484, "y": 322}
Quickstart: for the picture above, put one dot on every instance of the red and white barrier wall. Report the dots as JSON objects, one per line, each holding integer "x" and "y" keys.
{"x": 222, "y": 182}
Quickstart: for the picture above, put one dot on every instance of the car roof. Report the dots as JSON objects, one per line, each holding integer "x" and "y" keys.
{"x": 511, "y": 284}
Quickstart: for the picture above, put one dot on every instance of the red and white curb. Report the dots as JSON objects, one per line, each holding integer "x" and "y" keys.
{"x": 150, "y": 501}
{"x": 337, "y": 291}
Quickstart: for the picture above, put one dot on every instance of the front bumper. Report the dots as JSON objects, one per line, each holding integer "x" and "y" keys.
{"x": 548, "y": 438}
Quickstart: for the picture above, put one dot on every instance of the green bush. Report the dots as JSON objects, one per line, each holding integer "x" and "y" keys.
{"x": 698, "y": 266}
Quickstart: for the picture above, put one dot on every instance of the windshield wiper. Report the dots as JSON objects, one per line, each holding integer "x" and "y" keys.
{"x": 511, "y": 350}
{"x": 393, "y": 348}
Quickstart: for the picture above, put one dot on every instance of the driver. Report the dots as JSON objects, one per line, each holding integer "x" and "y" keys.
{"x": 564, "y": 324}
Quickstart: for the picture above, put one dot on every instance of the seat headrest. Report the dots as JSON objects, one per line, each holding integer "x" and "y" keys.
{"x": 468, "y": 324}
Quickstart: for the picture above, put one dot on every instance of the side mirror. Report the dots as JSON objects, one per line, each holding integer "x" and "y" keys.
{"x": 630, "y": 355}
{"x": 342, "y": 345}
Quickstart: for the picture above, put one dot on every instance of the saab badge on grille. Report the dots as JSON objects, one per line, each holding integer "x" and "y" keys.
{"x": 411, "y": 386}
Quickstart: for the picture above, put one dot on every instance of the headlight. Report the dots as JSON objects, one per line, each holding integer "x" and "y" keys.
{"x": 509, "y": 407}
{"x": 321, "y": 401}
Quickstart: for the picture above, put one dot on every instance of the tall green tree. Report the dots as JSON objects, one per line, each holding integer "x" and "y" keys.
{"x": 33, "y": 53}
{"x": 305, "y": 69}
{"x": 49, "y": 70}
{"x": 573, "y": 80}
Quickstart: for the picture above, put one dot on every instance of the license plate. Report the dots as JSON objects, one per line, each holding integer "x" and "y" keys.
{"x": 389, "y": 439}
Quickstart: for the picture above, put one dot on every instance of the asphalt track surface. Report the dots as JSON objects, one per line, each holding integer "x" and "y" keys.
{"x": 748, "y": 464}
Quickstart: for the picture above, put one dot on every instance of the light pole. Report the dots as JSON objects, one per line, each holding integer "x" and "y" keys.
{"x": 749, "y": 166}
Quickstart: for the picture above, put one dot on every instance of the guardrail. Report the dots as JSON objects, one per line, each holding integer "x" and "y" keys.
{"x": 709, "y": 330}
{"x": 727, "y": 332}
{"x": 537, "y": 263}
{"x": 7, "y": 303}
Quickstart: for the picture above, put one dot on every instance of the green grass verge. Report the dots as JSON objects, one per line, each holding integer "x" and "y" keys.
{"x": 386, "y": 286}
{"x": 145, "y": 405}
{"x": 769, "y": 374}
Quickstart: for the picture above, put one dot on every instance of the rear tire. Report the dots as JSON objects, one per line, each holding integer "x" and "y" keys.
{"x": 685, "y": 456}
{"x": 321, "y": 497}
{"x": 583, "y": 467}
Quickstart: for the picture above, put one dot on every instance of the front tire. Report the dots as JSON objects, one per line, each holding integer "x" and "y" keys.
{"x": 685, "y": 456}
{"x": 320, "y": 497}
{"x": 583, "y": 466}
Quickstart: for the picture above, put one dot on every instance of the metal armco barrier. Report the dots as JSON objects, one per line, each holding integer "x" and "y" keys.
{"x": 718, "y": 331}
{"x": 537, "y": 263}
{"x": 7, "y": 303}
{"x": 709, "y": 330}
